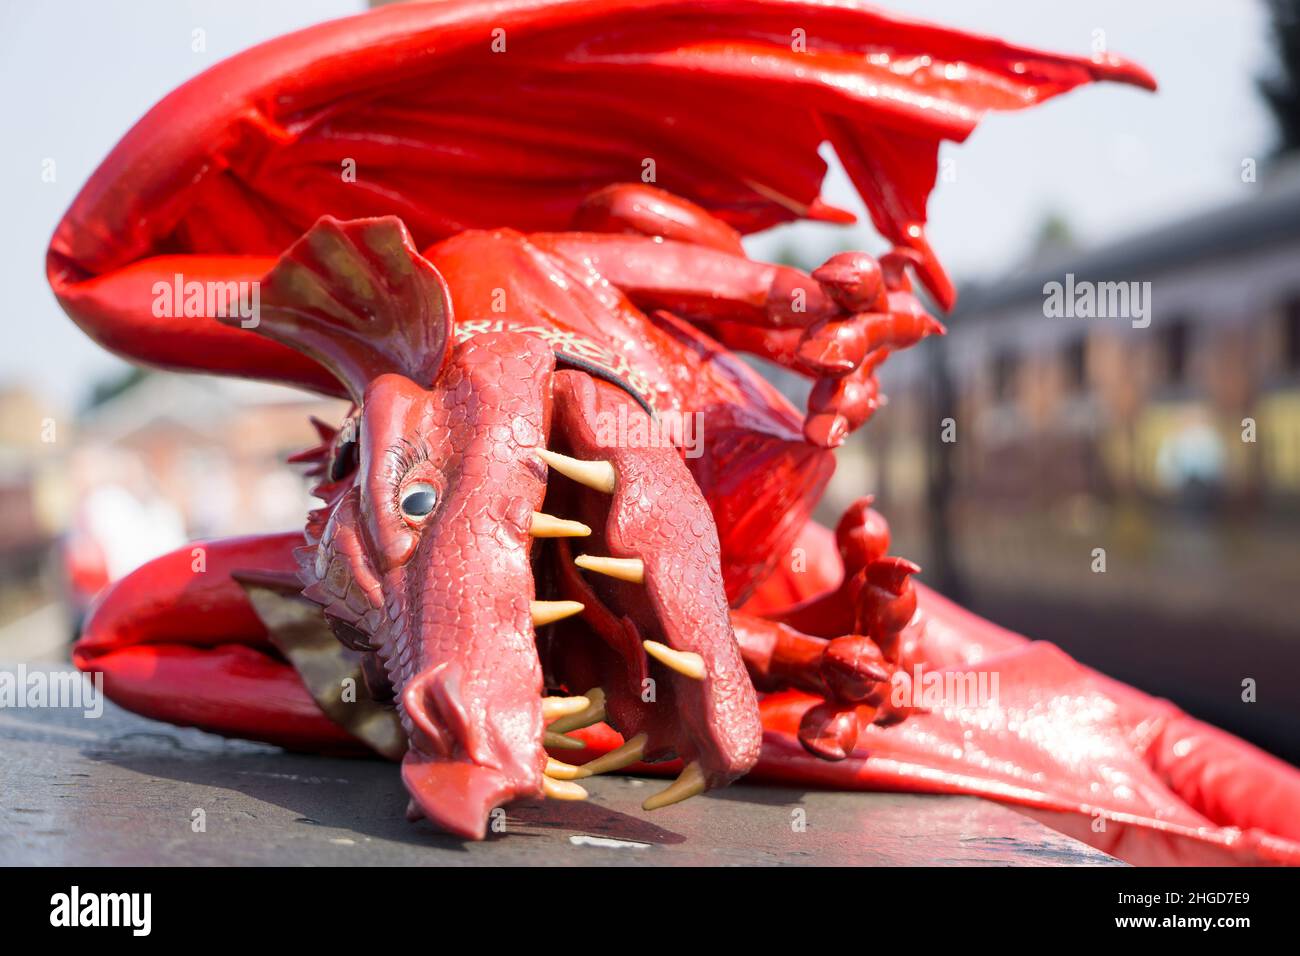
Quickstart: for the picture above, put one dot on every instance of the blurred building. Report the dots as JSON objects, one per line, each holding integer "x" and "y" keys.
{"x": 158, "y": 460}
{"x": 28, "y": 441}
{"x": 213, "y": 448}
{"x": 172, "y": 458}
{"x": 1173, "y": 448}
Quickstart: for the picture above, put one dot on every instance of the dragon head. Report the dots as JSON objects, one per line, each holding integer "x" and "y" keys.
{"x": 443, "y": 552}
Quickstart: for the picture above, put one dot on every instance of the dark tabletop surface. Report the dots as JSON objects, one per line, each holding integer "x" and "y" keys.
{"x": 123, "y": 790}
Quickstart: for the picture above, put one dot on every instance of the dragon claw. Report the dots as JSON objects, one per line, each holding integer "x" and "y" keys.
{"x": 832, "y": 347}
{"x": 830, "y": 731}
{"x": 826, "y": 429}
{"x": 854, "y": 280}
{"x": 852, "y": 667}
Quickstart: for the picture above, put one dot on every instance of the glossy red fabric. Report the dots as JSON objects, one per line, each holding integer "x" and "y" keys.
{"x": 1128, "y": 773}
{"x": 728, "y": 99}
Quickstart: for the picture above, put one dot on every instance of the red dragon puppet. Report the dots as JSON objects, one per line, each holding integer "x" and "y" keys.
{"x": 566, "y": 530}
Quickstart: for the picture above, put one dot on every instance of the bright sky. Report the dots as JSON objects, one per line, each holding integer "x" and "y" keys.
{"x": 75, "y": 74}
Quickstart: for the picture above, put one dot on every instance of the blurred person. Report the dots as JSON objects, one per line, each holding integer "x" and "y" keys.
{"x": 119, "y": 521}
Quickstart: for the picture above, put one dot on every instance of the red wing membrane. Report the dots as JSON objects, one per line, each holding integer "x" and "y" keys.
{"x": 412, "y": 111}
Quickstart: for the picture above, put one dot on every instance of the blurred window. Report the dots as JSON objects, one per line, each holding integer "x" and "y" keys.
{"x": 1291, "y": 334}
{"x": 1076, "y": 366}
{"x": 1174, "y": 348}
{"x": 1005, "y": 366}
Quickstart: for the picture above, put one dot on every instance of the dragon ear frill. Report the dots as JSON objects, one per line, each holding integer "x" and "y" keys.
{"x": 361, "y": 301}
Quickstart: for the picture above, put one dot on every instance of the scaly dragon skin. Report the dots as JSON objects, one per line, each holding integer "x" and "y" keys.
{"x": 508, "y": 562}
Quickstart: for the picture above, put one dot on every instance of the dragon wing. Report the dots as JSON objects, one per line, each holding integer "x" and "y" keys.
{"x": 466, "y": 114}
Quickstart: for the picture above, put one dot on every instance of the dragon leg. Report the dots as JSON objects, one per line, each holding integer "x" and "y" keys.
{"x": 642, "y": 210}
{"x": 849, "y": 673}
{"x": 1181, "y": 792}
{"x": 830, "y": 622}
{"x": 834, "y": 326}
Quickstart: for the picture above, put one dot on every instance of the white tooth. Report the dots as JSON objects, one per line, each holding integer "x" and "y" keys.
{"x": 547, "y": 612}
{"x": 559, "y": 770}
{"x": 553, "y": 708}
{"x": 594, "y": 714}
{"x": 624, "y": 756}
{"x": 690, "y": 783}
{"x": 599, "y": 475}
{"x": 562, "y": 789}
{"x": 687, "y": 663}
{"x": 549, "y": 526}
{"x": 560, "y": 742}
{"x": 625, "y": 569}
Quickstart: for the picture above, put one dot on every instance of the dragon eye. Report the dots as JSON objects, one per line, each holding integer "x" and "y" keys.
{"x": 419, "y": 500}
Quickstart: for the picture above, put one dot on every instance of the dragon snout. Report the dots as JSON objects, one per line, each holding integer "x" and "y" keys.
{"x": 468, "y": 752}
